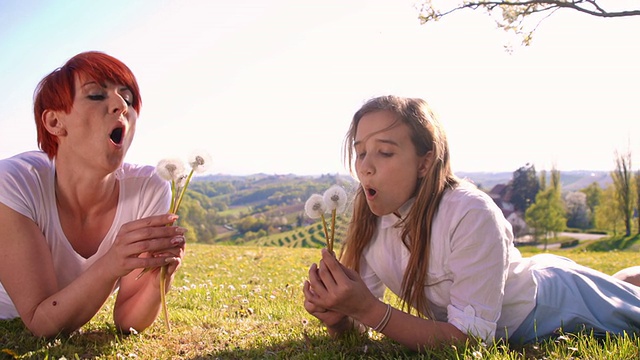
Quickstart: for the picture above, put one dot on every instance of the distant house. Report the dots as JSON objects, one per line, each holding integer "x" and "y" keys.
{"x": 501, "y": 195}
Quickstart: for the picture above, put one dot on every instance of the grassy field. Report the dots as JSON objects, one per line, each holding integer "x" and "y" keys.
{"x": 241, "y": 302}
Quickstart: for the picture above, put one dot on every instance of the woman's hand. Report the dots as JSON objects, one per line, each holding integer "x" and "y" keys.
{"x": 137, "y": 239}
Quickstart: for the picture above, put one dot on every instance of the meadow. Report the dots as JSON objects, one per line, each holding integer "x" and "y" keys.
{"x": 245, "y": 302}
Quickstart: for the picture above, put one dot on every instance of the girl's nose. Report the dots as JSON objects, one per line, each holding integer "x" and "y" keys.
{"x": 366, "y": 167}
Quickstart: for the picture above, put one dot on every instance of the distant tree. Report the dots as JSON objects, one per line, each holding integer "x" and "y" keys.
{"x": 512, "y": 15}
{"x": 623, "y": 181}
{"x": 542, "y": 181}
{"x": 547, "y": 214}
{"x": 593, "y": 193}
{"x": 607, "y": 213}
{"x": 638, "y": 198}
{"x": 524, "y": 187}
{"x": 578, "y": 213}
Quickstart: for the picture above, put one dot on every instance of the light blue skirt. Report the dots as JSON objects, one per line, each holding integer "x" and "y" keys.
{"x": 573, "y": 298}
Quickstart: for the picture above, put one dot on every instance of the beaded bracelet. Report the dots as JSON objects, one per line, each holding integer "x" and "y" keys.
{"x": 385, "y": 320}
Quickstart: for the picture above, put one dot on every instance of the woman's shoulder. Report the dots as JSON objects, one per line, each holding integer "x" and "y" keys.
{"x": 130, "y": 170}
{"x": 143, "y": 174}
{"x": 30, "y": 160}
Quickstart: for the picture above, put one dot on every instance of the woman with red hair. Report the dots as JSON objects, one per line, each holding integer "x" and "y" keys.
{"x": 85, "y": 223}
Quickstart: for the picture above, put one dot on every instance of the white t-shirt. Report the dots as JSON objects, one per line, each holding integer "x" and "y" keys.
{"x": 27, "y": 186}
{"x": 477, "y": 280}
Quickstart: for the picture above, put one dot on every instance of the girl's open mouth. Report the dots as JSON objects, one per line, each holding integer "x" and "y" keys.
{"x": 370, "y": 192}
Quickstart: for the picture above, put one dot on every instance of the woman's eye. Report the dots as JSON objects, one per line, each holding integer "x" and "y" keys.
{"x": 361, "y": 155}
{"x": 96, "y": 97}
{"x": 127, "y": 99}
{"x": 386, "y": 154}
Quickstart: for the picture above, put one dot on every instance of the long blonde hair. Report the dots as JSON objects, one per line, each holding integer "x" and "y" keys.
{"x": 427, "y": 135}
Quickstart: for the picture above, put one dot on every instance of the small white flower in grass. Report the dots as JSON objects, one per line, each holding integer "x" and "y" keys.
{"x": 335, "y": 198}
{"x": 315, "y": 206}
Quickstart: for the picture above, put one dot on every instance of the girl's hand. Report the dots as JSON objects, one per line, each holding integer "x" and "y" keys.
{"x": 329, "y": 318}
{"x": 137, "y": 239}
{"x": 337, "y": 289}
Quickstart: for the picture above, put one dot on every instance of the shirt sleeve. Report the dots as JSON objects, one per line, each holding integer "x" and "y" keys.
{"x": 156, "y": 197}
{"x": 479, "y": 263}
{"x": 373, "y": 282}
{"x": 19, "y": 187}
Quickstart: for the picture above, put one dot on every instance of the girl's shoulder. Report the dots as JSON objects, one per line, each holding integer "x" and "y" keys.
{"x": 468, "y": 195}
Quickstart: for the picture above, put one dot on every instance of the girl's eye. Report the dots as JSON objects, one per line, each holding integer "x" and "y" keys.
{"x": 386, "y": 154}
{"x": 361, "y": 155}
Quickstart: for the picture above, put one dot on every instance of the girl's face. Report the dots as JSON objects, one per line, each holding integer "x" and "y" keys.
{"x": 99, "y": 129}
{"x": 387, "y": 165}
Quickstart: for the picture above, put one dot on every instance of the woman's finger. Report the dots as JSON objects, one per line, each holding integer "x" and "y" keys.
{"x": 151, "y": 221}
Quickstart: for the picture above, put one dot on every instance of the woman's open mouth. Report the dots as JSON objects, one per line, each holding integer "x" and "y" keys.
{"x": 117, "y": 135}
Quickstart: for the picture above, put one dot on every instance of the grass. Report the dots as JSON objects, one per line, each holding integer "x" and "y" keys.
{"x": 245, "y": 302}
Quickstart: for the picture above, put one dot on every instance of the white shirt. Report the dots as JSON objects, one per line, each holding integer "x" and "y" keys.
{"x": 477, "y": 280}
{"x": 27, "y": 186}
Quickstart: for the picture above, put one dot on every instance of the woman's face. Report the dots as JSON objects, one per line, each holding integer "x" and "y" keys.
{"x": 386, "y": 161}
{"x": 100, "y": 127}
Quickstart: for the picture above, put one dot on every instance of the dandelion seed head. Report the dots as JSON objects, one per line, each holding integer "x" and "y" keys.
{"x": 335, "y": 198}
{"x": 181, "y": 181}
{"x": 170, "y": 169}
{"x": 315, "y": 206}
{"x": 200, "y": 161}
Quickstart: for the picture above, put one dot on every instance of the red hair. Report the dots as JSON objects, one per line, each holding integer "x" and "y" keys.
{"x": 56, "y": 91}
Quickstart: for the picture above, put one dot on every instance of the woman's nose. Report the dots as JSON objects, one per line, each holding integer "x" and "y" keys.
{"x": 118, "y": 104}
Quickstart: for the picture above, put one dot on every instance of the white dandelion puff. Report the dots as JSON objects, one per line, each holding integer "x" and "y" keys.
{"x": 335, "y": 198}
{"x": 315, "y": 206}
{"x": 200, "y": 161}
{"x": 170, "y": 169}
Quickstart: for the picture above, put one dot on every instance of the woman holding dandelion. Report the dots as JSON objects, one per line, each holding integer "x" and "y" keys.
{"x": 446, "y": 250}
{"x": 84, "y": 223}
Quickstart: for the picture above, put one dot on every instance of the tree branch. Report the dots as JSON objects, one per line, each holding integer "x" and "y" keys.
{"x": 532, "y": 6}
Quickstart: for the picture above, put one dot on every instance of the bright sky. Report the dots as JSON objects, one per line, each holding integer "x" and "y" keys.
{"x": 270, "y": 86}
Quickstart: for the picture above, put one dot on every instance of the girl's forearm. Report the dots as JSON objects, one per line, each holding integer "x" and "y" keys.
{"x": 416, "y": 333}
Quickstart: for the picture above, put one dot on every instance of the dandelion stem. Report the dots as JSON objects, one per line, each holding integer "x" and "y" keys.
{"x": 173, "y": 194}
{"x": 333, "y": 229}
{"x": 184, "y": 189}
{"x": 163, "y": 300}
{"x": 326, "y": 232}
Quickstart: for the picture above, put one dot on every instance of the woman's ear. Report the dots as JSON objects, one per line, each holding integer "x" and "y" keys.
{"x": 52, "y": 123}
{"x": 425, "y": 164}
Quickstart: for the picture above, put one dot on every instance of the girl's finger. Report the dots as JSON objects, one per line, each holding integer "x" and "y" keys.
{"x": 328, "y": 271}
